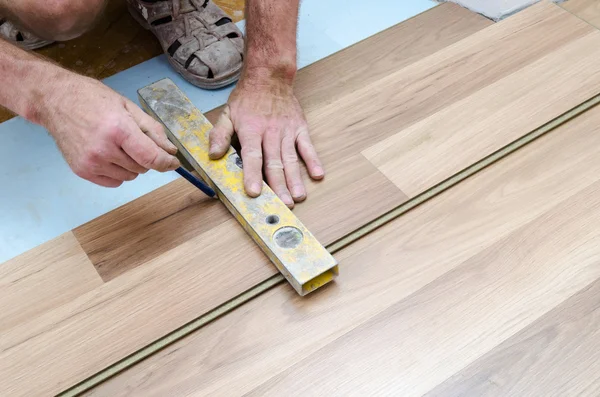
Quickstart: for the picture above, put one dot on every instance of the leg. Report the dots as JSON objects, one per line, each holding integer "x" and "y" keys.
{"x": 53, "y": 19}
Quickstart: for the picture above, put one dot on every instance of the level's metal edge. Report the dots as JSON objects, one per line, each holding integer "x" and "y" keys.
{"x": 339, "y": 244}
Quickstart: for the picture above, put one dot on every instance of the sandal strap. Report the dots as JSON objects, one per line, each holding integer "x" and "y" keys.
{"x": 190, "y": 12}
{"x": 156, "y": 11}
{"x": 219, "y": 57}
{"x": 197, "y": 34}
{"x": 209, "y": 12}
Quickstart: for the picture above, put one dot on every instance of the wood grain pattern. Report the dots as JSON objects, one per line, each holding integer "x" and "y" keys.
{"x": 139, "y": 231}
{"x": 115, "y": 319}
{"x": 588, "y": 10}
{"x": 420, "y": 298}
{"x": 142, "y": 230}
{"x": 431, "y": 86}
{"x": 386, "y": 52}
{"x": 557, "y": 355}
{"x": 43, "y": 278}
{"x": 466, "y": 312}
{"x": 500, "y": 111}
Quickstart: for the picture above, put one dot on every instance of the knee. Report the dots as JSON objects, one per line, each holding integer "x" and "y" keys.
{"x": 64, "y": 19}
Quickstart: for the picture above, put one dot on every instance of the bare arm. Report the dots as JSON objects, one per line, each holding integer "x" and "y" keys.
{"x": 271, "y": 40}
{"x": 21, "y": 75}
{"x": 263, "y": 109}
{"x": 104, "y": 137}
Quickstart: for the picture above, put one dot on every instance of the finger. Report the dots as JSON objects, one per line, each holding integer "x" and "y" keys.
{"x": 220, "y": 135}
{"x": 104, "y": 181}
{"x": 309, "y": 154}
{"x": 117, "y": 172}
{"x": 291, "y": 167}
{"x": 274, "y": 166}
{"x": 145, "y": 151}
{"x": 152, "y": 128}
{"x": 122, "y": 159}
{"x": 252, "y": 159}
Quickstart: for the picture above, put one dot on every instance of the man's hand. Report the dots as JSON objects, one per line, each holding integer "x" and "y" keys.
{"x": 270, "y": 125}
{"x": 263, "y": 110}
{"x": 104, "y": 137}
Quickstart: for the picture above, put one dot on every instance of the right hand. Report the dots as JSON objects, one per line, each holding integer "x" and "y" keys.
{"x": 104, "y": 137}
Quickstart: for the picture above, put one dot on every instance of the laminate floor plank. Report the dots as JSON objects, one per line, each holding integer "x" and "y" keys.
{"x": 119, "y": 317}
{"x": 43, "y": 278}
{"x": 424, "y": 90}
{"x": 385, "y": 53}
{"x": 428, "y": 151}
{"x": 558, "y": 355}
{"x": 420, "y": 298}
{"x": 417, "y": 343}
{"x": 588, "y": 10}
{"x": 404, "y": 44}
{"x": 135, "y": 233}
{"x": 140, "y": 231}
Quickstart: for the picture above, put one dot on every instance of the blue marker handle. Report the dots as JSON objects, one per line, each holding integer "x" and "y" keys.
{"x": 196, "y": 182}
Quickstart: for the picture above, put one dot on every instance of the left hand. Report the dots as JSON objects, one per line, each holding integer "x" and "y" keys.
{"x": 270, "y": 125}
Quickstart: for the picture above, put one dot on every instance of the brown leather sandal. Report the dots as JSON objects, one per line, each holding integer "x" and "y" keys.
{"x": 201, "y": 42}
{"x": 23, "y": 39}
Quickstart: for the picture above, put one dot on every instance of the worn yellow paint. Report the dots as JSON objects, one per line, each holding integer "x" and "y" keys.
{"x": 304, "y": 262}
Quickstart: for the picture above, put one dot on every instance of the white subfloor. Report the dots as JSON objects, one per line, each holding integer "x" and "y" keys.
{"x": 40, "y": 198}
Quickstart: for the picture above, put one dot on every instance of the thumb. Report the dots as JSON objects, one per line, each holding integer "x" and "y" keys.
{"x": 220, "y": 135}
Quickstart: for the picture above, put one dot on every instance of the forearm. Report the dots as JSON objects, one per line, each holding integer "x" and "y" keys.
{"x": 271, "y": 27}
{"x": 25, "y": 80}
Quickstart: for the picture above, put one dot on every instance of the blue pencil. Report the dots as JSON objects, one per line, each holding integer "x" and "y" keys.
{"x": 195, "y": 181}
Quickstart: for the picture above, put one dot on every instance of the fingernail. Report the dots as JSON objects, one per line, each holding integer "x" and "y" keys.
{"x": 318, "y": 171}
{"x": 256, "y": 188}
{"x": 213, "y": 151}
{"x": 298, "y": 192}
{"x": 287, "y": 199}
{"x": 172, "y": 147}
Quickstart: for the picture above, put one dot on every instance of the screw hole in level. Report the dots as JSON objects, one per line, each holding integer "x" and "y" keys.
{"x": 272, "y": 219}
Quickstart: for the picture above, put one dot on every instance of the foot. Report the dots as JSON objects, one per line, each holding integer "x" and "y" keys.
{"x": 200, "y": 41}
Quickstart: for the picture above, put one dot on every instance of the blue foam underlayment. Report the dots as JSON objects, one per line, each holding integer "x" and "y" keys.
{"x": 40, "y": 198}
